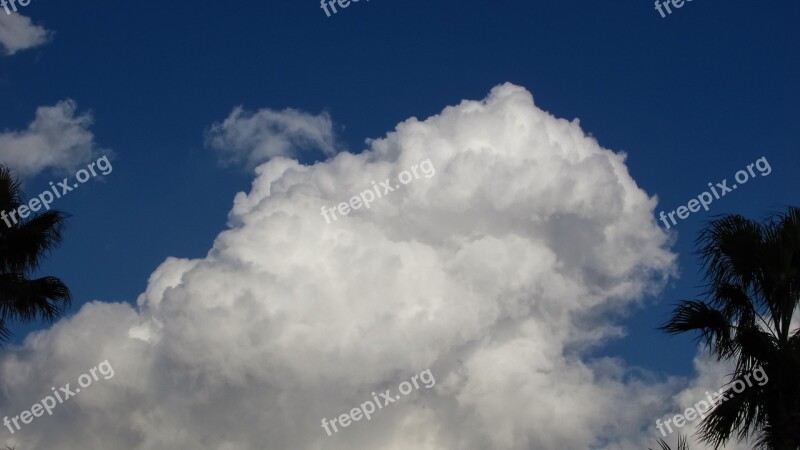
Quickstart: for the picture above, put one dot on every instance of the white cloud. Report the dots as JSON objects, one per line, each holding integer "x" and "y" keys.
{"x": 484, "y": 273}
{"x": 18, "y": 32}
{"x": 253, "y": 138}
{"x": 57, "y": 139}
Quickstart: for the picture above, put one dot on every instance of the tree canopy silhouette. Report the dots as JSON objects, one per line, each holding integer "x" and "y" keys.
{"x": 753, "y": 288}
{"x": 22, "y": 246}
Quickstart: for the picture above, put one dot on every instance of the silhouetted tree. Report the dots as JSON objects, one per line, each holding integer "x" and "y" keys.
{"x": 22, "y": 247}
{"x": 753, "y": 275}
{"x": 682, "y": 445}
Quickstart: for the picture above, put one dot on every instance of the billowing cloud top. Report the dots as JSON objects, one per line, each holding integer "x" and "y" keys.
{"x": 57, "y": 139}
{"x": 498, "y": 273}
{"x": 17, "y": 32}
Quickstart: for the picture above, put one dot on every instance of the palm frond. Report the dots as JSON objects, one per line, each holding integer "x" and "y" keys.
{"x": 695, "y": 315}
{"x": 26, "y": 300}
{"x": 729, "y": 250}
{"x": 682, "y": 444}
{"x": 23, "y": 246}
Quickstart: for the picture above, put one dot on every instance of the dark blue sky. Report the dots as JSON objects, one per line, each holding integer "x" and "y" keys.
{"x": 691, "y": 98}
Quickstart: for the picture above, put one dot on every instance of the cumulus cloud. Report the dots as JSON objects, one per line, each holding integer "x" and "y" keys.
{"x": 498, "y": 274}
{"x": 18, "y": 32}
{"x": 252, "y": 138}
{"x": 57, "y": 139}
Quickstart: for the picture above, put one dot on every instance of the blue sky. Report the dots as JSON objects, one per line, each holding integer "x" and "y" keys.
{"x": 690, "y": 98}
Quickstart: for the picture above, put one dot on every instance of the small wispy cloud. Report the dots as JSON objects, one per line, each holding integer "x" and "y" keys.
{"x": 253, "y": 138}
{"x": 18, "y": 32}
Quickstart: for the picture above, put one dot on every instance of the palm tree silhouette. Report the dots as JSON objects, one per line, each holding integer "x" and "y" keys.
{"x": 22, "y": 246}
{"x": 682, "y": 445}
{"x": 753, "y": 275}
